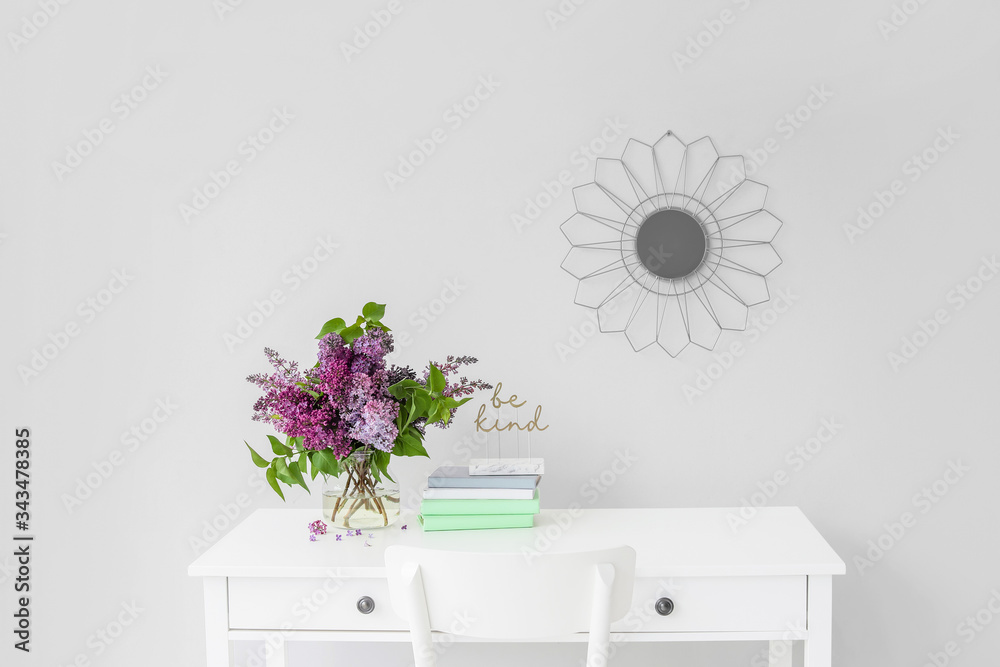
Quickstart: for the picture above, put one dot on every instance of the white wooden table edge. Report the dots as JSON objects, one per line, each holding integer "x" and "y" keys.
{"x": 808, "y": 558}
{"x": 640, "y": 573}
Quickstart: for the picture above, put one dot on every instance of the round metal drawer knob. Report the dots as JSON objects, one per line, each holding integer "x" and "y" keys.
{"x": 366, "y": 605}
{"x": 664, "y": 606}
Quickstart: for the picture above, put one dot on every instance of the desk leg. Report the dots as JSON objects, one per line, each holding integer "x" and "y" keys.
{"x": 819, "y": 622}
{"x": 275, "y": 655}
{"x": 220, "y": 649}
{"x": 779, "y": 653}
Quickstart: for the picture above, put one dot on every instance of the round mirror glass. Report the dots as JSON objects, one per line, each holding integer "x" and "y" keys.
{"x": 671, "y": 243}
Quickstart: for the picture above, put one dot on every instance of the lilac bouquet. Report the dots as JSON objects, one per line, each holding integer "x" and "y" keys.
{"x": 353, "y": 406}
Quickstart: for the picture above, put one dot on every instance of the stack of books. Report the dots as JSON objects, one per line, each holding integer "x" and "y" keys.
{"x": 456, "y": 500}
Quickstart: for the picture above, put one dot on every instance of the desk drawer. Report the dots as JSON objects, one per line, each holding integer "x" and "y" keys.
{"x": 700, "y": 604}
{"x": 718, "y": 604}
{"x": 309, "y": 604}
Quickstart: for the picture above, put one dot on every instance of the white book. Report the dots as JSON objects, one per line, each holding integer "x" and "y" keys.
{"x": 457, "y": 493}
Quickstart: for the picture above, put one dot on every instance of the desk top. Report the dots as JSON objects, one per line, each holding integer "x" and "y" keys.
{"x": 668, "y": 543}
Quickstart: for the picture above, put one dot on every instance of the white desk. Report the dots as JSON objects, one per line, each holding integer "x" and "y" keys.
{"x": 770, "y": 580}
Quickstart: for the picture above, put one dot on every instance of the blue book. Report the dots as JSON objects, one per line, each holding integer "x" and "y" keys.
{"x": 459, "y": 477}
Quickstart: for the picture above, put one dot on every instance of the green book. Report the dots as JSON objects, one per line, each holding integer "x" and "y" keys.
{"x": 439, "y": 506}
{"x": 475, "y": 521}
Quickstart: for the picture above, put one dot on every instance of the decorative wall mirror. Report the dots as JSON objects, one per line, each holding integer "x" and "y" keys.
{"x": 671, "y": 244}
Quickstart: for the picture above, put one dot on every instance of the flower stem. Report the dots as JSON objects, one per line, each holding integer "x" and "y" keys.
{"x": 343, "y": 496}
{"x": 364, "y": 494}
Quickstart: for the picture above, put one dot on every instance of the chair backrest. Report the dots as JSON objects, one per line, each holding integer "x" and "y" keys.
{"x": 511, "y": 595}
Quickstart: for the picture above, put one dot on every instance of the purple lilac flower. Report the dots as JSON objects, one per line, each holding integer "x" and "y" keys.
{"x": 343, "y": 403}
{"x": 279, "y": 387}
{"x": 289, "y": 407}
{"x": 360, "y": 390}
{"x": 375, "y": 344}
{"x": 399, "y": 373}
{"x": 341, "y": 442}
{"x": 338, "y": 537}
{"x": 377, "y": 424}
{"x": 370, "y": 350}
{"x": 332, "y": 370}
{"x": 292, "y": 410}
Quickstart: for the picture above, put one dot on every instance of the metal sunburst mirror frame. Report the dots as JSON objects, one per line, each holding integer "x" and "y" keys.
{"x": 671, "y": 244}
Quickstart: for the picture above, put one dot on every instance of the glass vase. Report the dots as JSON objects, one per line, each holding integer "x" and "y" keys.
{"x": 356, "y": 499}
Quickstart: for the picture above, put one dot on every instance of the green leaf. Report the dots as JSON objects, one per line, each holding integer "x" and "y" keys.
{"x": 416, "y": 448}
{"x": 436, "y": 381}
{"x": 381, "y": 460}
{"x": 423, "y": 402}
{"x": 282, "y": 471}
{"x": 336, "y": 325}
{"x": 352, "y": 332}
{"x": 315, "y": 468}
{"x": 258, "y": 460}
{"x": 409, "y": 442}
{"x": 404, "y": 386}
{"x": 436, "y": 414}
{"x": 304, "y": 386}
{"x": 326, "y": 462}
{"x": 273, "y": 481}
{"x": 399, "y": 444}
{"x": 454, "y": 403}
{"x": 296, "y": 442}
{"x": 373, "y": 312}
{"x": 279, "y": 447}
{"x": 293, "y": 469}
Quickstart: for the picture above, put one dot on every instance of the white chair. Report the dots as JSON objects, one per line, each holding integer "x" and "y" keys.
{"x": 510, "y": 596}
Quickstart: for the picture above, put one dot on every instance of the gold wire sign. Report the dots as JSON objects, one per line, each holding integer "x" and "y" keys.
{"x": 508, "y": 411}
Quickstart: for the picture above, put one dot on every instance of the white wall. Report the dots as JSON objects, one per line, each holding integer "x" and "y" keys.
{"x": 323, "y": 176}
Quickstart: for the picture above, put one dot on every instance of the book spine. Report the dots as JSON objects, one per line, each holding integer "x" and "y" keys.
{"x": 454, "y": 493}
{"x": 481, "y": 482}
{"x": 476, "y": 522}
{"x": 444, "y": 506}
